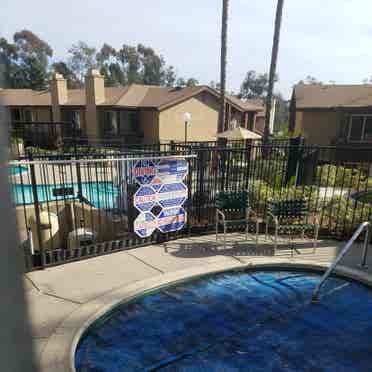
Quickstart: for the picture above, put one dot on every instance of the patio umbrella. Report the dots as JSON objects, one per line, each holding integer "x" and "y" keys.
{"x": 239, "y": 133}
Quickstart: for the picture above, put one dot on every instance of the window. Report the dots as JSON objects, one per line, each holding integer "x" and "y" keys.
{"x": 356, "y": 128}
{"x": 110, "y": 123}
{"x": 129, "y": 122}
{"x": 368, "y": 129}
{"x": 360, "y": 128}
{"x": 71, "y": 116}
{"x": 20, "y": 114}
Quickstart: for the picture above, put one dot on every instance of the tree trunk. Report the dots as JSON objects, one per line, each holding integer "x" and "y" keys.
{"x": 274, "y": 57}
{"x": 222, "y": 113}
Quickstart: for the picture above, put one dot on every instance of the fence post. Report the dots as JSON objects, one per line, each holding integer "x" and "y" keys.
{"x": 78, "y": 172}
{"x": 248, "y": 151}
{"x": 221, "y": 143}
{"x": 36, "y": 206}
{"x": 172, "y": 146}
{"x": 294, "y": 153}
{"x": 200, "y": 190}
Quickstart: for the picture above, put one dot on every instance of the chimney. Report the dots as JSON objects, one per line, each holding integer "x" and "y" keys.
{"x": 94, "y": 88}
{"x": 94, "y": 94}
{"x": 58, "y": 90}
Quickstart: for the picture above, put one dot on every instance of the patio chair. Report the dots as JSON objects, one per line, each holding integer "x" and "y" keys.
{"x": 233, "y": 209}
{"x": 292, "y": 217}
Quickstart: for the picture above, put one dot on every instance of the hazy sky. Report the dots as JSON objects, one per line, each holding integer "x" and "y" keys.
{"x": 328, "y": 39}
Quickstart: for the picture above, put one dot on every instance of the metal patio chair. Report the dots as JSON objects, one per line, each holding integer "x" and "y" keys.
{"x": 233, "y": 209}
{"x": 291, "y": 217}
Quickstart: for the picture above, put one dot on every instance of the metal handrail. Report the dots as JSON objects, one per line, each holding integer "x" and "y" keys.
{"x": 364, "y": 226}
{"x": 100, "y": 160}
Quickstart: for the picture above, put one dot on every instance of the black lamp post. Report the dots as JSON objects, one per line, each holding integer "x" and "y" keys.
{"x": 186, "y": 119}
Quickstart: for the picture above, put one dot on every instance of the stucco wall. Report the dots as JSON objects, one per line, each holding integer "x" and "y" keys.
{"x": 299, "y": 118}
{"x": 41, "y": 114}
{"x": 320, "y": 128}
{"x": 149, "y": 125}
{"x": 204, "y": 119}
{"x": 93, "y": 121}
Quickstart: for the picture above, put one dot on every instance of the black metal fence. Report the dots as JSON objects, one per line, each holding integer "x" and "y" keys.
{"x": 78, "y": 203}
{"x": 61, "y": 138}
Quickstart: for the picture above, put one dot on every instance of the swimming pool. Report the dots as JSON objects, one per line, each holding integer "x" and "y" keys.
{"x": 247, "y": 321}
{"x": 99, "y": 194}
{"x": 17, "y": 169}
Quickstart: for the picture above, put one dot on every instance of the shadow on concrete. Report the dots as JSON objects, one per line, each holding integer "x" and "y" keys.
{"x": 209, "y": 249}
{"x": 201, "y": 249}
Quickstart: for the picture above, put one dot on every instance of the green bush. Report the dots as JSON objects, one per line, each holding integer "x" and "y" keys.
{"x": 338, "y": 215}
{"x": 260, "y": 193}
{"x": 343, "y": 214}
{"x": 338, "y": 176}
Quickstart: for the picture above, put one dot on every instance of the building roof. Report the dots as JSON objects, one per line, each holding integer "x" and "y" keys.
{"x": 248, "y": 104}
{"x": 24, "y": 97}
{"x": 131, "y": 96}
{"x": 319, "y": 96}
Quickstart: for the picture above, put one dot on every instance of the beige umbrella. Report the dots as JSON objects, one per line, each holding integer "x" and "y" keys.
{"x": 239, "y": 133}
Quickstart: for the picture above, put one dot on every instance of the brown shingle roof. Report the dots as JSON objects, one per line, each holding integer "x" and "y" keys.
{"x": 164, "y": 97}
{"x": 332, "y": 96}
{"x": 24, "y": 97}
{"x": 248, "y": 104}
{"x": 134, "y": 95}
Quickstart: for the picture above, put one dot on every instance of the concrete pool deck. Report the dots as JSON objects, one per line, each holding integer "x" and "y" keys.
{"x": 64, "y": 300}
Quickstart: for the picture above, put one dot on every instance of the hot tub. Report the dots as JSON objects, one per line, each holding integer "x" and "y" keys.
{"x": 238, "y": 321}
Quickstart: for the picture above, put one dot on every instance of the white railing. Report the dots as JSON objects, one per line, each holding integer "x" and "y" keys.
{"x": 365, "y": 226}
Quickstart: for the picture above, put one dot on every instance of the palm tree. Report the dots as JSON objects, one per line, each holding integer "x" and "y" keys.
{"x": 274, "y": 57}
{"x": 221, "y": 117}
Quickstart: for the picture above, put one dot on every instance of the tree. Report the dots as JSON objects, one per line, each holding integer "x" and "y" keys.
{"x": 82, "y": 59}
{"x": 8, "y": 57}
{"x": 109, "y": 66}
{"x": 152, "y": 66}
{"x": 30, "y": 65}
{"x": 310, "y": 80}
{"x": 192, "y": 82}
{"x": 272, "y": 73}
{"x": 281, "y": 113}
{"x": 215, "y": 85}
{"x": 130, "y": 64}
{"x": 26, "y": 64}
{"x": 255, "y": 85}
{"x": 62, "y": 68}
{"x": 181, "y": 82}
{"x": 222, "y": 112}
{"x": 170, "y": 76}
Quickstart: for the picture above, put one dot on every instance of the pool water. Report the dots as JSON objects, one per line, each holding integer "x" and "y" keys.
{"x": 17, "y": 169}
{"x": 251, "y": 321}
{"x": 99, "y": 194}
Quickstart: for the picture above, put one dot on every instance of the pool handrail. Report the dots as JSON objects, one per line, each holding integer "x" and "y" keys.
{"x": 363, "y": 226}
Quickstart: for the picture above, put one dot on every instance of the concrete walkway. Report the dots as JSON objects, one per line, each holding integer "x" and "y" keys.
{"x": 60, "y": 295}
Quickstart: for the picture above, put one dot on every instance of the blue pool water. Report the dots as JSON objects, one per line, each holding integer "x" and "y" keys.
{"x": 17, "y": 169}
{"x": 99, "y": 194}
{"x": 253, "y": 321}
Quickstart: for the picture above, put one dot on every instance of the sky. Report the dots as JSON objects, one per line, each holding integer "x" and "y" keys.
{"x": 330, "y": 40}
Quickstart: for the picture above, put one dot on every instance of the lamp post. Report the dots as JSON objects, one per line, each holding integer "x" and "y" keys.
{"x": 186, "y": 119}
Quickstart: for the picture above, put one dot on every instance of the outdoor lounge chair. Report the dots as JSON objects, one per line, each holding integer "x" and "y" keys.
{"x": 291, "y": 217}
{"x": 233, "y": 209}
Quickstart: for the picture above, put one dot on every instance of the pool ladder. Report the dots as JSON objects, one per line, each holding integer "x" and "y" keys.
{"x": 365, "y": 226}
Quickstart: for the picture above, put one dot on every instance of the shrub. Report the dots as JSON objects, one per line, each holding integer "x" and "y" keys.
{"x": 338, "y": 176}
